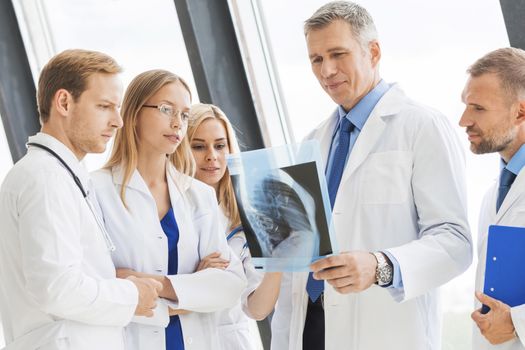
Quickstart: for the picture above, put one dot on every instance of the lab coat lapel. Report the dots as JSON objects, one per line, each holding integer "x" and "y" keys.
{"x": 389, "y": 105}
{"x": 177, "y": 186}
{"x": 515, "y": 192}
{"x": 324, "y": 135}
{"x": 136, "y": 182}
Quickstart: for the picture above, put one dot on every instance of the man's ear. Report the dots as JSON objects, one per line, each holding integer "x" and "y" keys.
{"x": 375, "y": 52}
{"x": 62, "y": 101}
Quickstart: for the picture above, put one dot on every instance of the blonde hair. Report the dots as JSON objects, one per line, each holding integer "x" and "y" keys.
{"x": 125, "y": 150}
{"x": 225, "y": 194}
{"x": 70, "y": 70}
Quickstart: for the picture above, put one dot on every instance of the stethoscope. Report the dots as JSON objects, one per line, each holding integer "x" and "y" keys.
{"x": 245, "y": 248}
{"x": 100, "y": 224}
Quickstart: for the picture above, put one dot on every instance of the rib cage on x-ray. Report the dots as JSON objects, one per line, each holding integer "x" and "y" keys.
{"x": 278, "y": 214}
{"x": 276, "y": 211}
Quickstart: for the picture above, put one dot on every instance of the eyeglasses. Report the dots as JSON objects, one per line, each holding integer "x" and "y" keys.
{"x": 170, "y": 112}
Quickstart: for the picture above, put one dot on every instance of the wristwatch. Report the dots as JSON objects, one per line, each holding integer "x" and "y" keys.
{"x": 384, "y": 271}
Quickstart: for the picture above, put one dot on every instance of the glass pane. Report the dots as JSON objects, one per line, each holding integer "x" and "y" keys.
{"x": 140, "y": 35}
{"x": 427, "y": 54}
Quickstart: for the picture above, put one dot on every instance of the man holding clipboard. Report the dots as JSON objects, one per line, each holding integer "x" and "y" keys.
{"x": 494, "y": 119}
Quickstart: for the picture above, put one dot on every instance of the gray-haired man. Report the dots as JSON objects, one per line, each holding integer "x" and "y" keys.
{"x": 395, "y": 174}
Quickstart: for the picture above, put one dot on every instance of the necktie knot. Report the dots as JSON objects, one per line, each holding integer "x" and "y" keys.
{"x": 346, "y": 125}
{"x": 506, "y": 178}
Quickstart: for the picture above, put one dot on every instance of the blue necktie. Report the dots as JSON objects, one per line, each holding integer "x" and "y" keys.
{"x": 339, "y": 159}
{"x": 506, "y": 179}
{"x": 315, "y": 287}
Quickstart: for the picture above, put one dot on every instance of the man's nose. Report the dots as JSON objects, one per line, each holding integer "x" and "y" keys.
{"x": 328, "y": 68}
{"x": 465, "y": 121}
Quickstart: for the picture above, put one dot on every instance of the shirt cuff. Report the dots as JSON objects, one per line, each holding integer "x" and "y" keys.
{"x": 517, "y": 314}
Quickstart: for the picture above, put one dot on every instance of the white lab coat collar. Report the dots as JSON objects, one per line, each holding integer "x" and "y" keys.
{"x": 65, "y": 153}
{"x": 389, "y": 105}
{"x": 177, "y": 186}
{"x": 514, "y": 194}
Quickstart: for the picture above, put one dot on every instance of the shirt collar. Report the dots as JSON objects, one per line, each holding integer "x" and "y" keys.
{"x": 65, "y": 153}
{"x": 359, "y": 114}
{"x": 517, "y": 162}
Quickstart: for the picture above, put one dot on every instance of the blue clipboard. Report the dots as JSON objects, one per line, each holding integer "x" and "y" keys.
{"x": 504, "y": 273}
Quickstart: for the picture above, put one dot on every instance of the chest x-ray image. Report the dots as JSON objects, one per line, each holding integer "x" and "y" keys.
{"x": 283, "y": 204}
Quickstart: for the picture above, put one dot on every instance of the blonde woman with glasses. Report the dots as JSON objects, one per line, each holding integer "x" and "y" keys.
{"x": 162, "y": 220}
{"x": 212, "y": 138}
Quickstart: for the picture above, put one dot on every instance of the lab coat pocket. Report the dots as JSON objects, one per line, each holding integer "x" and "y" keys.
{"x": 386, "y": 178}
{"x": 235, "y": 336}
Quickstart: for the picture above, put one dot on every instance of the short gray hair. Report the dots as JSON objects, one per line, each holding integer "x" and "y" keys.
{"x": 508, "y": 64}
{"x": 356, "y": 16}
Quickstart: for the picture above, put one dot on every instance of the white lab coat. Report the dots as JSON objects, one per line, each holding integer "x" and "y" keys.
{"x": 403, "y": 190}
{"x": 511, "y": 213}
{"x": 142, "y": 245}
{"x": 58, "y": 287}
{"x": 234, "y": 325}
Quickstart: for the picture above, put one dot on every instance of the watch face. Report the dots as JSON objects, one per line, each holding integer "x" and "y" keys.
{"x": 385, "y": 275}
{"x": 384, "y": 272}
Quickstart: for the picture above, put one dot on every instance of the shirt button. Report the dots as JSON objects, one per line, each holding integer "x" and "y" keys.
{"x": 189, "y": 340}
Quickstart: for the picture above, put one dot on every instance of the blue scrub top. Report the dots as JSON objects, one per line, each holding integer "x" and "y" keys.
{"x": 174, "y": 338}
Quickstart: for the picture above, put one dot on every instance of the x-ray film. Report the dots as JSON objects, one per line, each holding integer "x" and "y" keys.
{"x": 284, "y": 205}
